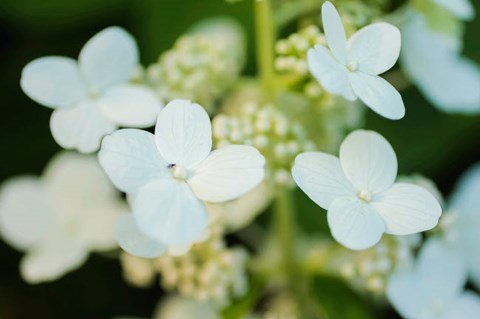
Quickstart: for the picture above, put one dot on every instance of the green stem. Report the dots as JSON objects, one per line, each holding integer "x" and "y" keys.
{"x": 265, "y": 45}
{"x": 285, "y": 231}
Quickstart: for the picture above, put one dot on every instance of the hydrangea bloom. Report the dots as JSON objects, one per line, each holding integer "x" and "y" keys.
{"x": 351, "y": 68}
{"x": 462, "y": 234}
{"x": 433, "y": 61}
{"x": 434, "y": 288}
{"x": 359, "y": 192}
{"x": 171, "y": 173}
{"x": 59, "y": 218}
{"x": 92, "y": 97}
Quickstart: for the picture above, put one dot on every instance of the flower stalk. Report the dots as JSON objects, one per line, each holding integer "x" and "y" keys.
{"x": 265, "y": 45}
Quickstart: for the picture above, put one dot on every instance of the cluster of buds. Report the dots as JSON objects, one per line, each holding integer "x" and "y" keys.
{"x": 369, "y": 270}
{"x": 202, "y": 64}
{"x": 282, "y": 306}
{"x": 209, "y": 272}
{"x": 271, "y": 132}
{"x": 291, "y": 60}
{"x": 357, "y": 14}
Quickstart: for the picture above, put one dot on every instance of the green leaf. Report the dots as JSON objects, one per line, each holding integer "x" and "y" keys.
{"x": 338, "y": 301}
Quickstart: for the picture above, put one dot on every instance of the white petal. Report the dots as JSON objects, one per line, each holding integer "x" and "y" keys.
{"x": 334, "y": 32}
{"x": 321, "y": 177}
{"x": 462, "y": 9}
{"x": 467, "y": 306}
{"x": 183, "y": 133}
{"x": 108, "y": 58}
{"x": 438, "y": 277}
{"x": 24, "y": 212}
{"x": 133, "y": 241}
{"x": 465, "y": 198}
{"x": 332, "y": 75}
{"x": 98, "y": 226}
{"x": 130, "y": 105}
{"x": 407, "y": 209}
{"x": 408, "y": 294}
{"x": 442, "y": 271}
{"x": 71, "y": 178}
{"x": 81, "y": 127}
{"x": 168, "y": 211}
{"x": 227, "y": 173}
{"x": 368, "y": 161}
{"x": 453, "y": 87}
{"x": 53, "y": 82}
{"x": 375, "y": 48}
{"x": 52, "y": 262}
{"x": 378, "y": 94}
{"x": 354, "y": 224}
{"x": 131, "y": 159}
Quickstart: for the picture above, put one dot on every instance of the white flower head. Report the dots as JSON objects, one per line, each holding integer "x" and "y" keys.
{"x": 351, "y": 68}
{"x": 59, "y": 218}
{"x": 463, "y": 233}
{"x": 434, "y": 288}
{"x": 91, "y": 97}
{"x": 433, "y": 61}
{"x": 171, "y": 173}
{"x": 359, "y": 191}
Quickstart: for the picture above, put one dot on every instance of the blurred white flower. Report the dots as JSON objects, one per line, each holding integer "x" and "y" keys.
{"x": 434, "y": 288}
{"x": 185, "y": 308}
{"x": 359, "y": 192}
{"x": 462, "y": 9}
{"x": 351, "y": 69}
{"x": 463, "y": 231}
{"x": 433, "y": 61}
{"x": 92, "y": 97}
{"x": 59, "y": 218}
{"x": 171, "y": 173}
{"x": 239, "y": 213}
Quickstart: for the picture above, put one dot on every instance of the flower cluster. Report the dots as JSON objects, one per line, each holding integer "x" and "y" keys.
{"x": 270, "y": 131}
{"x": 224, "y": 147}
{"x": 209, "y": 271}
{"x": 202, "y": 64}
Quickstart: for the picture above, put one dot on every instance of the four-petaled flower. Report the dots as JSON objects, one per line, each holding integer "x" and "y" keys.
{"x": 434, "y": 287}
{"x": 351, "y": 69}
{"x": 359, "y": 192}
{"x": 59, "y": 218}
{"x": 92, "y": 97}
{"x": 169, "y": 174}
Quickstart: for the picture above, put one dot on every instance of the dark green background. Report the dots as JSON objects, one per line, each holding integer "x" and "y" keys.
{"x": 440, "y": 146}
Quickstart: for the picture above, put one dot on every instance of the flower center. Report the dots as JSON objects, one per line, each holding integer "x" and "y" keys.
{"x": 365, "y": 195}
{"x": 179, "y": 172}
{"x": 93, "y": 93}
{"x": 352, "y": 66}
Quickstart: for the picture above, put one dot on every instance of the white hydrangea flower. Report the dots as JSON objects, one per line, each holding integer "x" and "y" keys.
{"x": 59, "y": 218}
{"x": 93, "y": 96}
{"x": 351, "y": 68}
{"x": 171, "y": 173}
{"x": 359, "y": 192}
{"x": 434, "y": 289}
{"x": 463, "y": 232}
{"x": 462, "y": 9}
{"x": 433, "y": 61}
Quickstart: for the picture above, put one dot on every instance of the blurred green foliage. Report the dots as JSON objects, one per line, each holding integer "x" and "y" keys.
{"x": 438, "y": 145}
